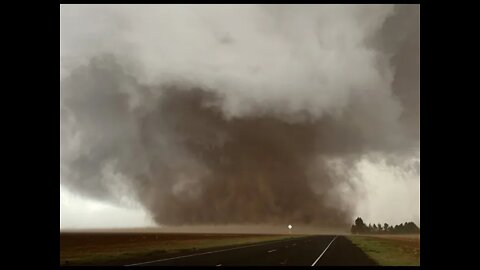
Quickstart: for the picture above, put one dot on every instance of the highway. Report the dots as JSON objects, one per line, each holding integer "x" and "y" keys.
{"x": 319, "y": 250}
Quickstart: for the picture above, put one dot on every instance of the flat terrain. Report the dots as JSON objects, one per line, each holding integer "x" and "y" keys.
{"x": 390, "y": 250}
{"x": 210, "y": 249}
{"x": 118, "y": 248}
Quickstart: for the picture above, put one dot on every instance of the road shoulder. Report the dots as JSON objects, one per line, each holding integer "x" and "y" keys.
{"x": 389, "y": 250}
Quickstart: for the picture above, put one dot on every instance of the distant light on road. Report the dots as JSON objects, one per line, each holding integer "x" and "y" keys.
{"x": 290, "y": 227}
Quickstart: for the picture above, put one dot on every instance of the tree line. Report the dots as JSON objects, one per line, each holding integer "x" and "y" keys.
{"x": 404, "y": 228}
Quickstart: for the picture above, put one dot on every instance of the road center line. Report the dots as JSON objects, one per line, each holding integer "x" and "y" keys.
{"x": 210, "y": 252}
{"x": 273, "y": 250}
{"x": 324, "y": 251}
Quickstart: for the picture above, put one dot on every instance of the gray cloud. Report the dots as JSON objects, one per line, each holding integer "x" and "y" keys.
{"x": 230, "y": 114}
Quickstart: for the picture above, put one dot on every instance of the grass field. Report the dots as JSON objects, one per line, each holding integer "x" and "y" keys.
{"x": 390, "y": 250}
{"x": 121, "y": 248}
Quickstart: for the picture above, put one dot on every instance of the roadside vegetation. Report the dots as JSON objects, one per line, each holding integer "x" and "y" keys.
{"x": 390, "y": 250}
{"x": 397, "y": 245}
{"x": 404, "y": 228}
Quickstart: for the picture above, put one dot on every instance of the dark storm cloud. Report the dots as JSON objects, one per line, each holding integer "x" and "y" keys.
{"x": 221, "y": 145}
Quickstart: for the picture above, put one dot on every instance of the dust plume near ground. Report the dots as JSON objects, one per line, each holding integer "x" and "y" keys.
{"x": 265, "y": 229}
{"x": 205, "y": 120}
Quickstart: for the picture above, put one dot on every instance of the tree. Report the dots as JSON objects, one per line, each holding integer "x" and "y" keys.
{"x": 359, "y": 222}
{"x": 360, "y": 227}
{"x": 411, "y": 227}
{"x": 353, "y": 229}
{"x": 403, "y": 228}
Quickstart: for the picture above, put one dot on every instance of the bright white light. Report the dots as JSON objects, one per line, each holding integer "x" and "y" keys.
{"x": 289, "y": 227}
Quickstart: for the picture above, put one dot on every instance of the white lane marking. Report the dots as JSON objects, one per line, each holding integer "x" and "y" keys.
{"x": 219, "y": 264}
{"x": 273, "y": 250}
{"x": 324, "y": 251}
{"x": 210, "y": 252}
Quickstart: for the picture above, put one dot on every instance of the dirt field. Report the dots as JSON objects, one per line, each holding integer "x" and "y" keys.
{"x": 113, "y": 248}
{"x": 391, "y": 250}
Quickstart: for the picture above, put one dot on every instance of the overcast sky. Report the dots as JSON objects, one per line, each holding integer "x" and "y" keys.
{"x": 189, "y": 114}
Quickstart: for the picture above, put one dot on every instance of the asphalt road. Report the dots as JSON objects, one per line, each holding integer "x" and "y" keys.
{"x": 321, "y": 250}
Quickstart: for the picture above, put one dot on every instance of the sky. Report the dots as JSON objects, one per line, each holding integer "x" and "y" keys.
{"x": 77, "y": 212}
{"x": 239, "y": 114}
